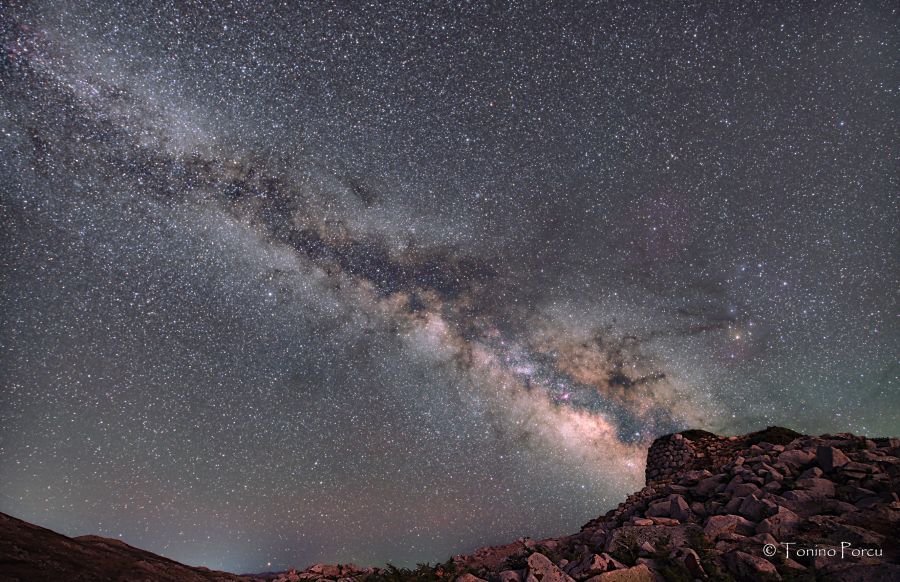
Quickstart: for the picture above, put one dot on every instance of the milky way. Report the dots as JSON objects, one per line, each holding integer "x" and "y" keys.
{"x": 368, "y": 283}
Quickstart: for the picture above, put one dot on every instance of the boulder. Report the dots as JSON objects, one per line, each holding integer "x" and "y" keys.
{"x": 691, "y": 562}
{"x": 772, "y": 487}
{"x": 588, "y": 566}
{"x": 830, "y": 458}
{"x": 764, "y": 538}
{"x": 744, "y": 489}
{"x": 749, "y": 567}
{"x": 817, "y": 486}
{"x": 469, "y": 578}
{"x": 512, "y": 576}
{"x": 541, "y": 569}
{"x": 796, "y": 458}
{"x": 708, "y": 486}
{"x": 639, "y": 573}
{"x": 698, "y": 509}
{"x": 735, "y": 481}
{"x": 858, "y": 536}
{"x": 797, "y": 498}
{"x": 837, "y": 507}
{"x": 733, "y": 504}
{"x": 722, "y": 524}
{"x": 326, "y": 570}
{"x": 691, "y": 477}
{"x": 658, "y": 509}
{"x": 614, "y": 564}
{"x": 811, "y": 473}
{"x": 782, "y": 523}
{"x": 756, "y": 509}
{"x": 771, "y": 474}
{"x": 679, "y": 508}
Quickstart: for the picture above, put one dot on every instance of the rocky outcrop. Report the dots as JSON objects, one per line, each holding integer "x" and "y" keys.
{"x": 769, "y": 505}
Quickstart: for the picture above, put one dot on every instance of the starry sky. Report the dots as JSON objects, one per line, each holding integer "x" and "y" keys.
{"x": 286, "y": 282}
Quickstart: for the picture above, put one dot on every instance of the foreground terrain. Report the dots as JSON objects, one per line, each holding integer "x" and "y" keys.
{"x": 772, "y": 505}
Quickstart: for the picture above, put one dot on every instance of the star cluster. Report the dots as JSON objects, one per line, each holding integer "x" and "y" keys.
{"x": 340, "y": 282}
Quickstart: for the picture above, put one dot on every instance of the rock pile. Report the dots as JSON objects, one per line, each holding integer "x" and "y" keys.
{"x": 772, "y": 505}
{"x": 342, "y": 572}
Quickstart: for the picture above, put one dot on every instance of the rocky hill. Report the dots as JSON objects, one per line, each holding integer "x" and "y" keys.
{"x": 29, "y": 552}
{"x": 771, "y": 505}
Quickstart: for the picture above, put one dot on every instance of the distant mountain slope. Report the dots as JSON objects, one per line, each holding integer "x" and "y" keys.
{"x": 29, "y": 552}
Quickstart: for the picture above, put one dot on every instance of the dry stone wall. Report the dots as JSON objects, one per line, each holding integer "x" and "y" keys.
{"x": 696, "y": 450}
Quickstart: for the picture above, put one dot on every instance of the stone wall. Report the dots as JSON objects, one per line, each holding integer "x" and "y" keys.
{"x": 690, "y": 450}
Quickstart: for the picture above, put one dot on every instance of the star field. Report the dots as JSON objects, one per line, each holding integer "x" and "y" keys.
{"x": 351, "y": 282}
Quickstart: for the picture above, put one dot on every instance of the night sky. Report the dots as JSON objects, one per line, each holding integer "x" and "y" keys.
{"x": 342, "y": 282}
